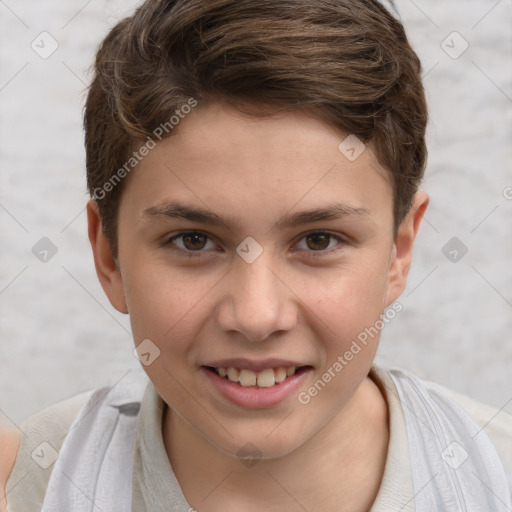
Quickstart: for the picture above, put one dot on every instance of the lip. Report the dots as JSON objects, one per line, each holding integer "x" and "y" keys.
{"x": 255, "y": 366}
{"x": 254, "y": 397}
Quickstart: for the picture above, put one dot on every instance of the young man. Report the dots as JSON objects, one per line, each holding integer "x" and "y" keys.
{"x": 254, "y": 171}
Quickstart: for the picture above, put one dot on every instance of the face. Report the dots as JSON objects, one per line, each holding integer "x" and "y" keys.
{"x": 254, "y": 247}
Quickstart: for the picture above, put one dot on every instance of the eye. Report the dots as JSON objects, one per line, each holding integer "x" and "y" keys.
{"x": 194, "y": 243}
{"x": 191, "y": 241}
{"x": 319, "y": 241}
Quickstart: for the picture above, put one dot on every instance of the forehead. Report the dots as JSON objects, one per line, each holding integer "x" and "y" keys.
{"x": 217, "y": 130}
{"x": 222, "y": 158}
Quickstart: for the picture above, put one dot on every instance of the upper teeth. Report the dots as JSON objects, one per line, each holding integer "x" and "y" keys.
{"x": 263, "y": 379}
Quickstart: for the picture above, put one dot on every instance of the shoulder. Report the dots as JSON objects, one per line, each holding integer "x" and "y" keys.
{"x": 32, "y": 451}
{"x": 494, "y": 422}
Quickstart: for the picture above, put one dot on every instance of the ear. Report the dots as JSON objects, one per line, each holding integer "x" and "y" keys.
{"x": 401, "y": 256}
{"x": 106, "y": 266}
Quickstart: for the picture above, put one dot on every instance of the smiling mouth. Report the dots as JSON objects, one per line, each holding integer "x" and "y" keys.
{"x": 263, "y": 379}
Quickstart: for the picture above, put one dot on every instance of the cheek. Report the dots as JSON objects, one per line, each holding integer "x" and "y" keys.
{"x": 166, "y": 307}
{"x": 163, "y": 301}
{"x": 349, "y": 299}
{"x": 167, "y": 302}
{"x": 348, "y": 308}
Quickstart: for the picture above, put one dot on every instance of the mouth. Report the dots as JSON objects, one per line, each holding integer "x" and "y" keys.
{"x": 266, "y": 378}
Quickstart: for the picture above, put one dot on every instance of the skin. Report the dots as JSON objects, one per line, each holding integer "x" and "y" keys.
{"x": 298, "y": 299}
{"x": 196, "y": 310}
{"x": 9, "y": 445}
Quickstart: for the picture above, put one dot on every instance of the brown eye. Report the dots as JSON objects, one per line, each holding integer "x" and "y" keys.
{"x": 318, "y": 241}
{"x": 194, "y": 241}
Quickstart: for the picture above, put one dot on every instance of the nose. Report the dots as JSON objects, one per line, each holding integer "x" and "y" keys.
{"x": 256, "y": 301}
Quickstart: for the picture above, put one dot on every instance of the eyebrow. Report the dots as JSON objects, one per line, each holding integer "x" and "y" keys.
{"x": 204, "y": 216}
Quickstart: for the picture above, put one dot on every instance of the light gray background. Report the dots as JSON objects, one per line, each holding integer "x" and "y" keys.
{"x": 60, "y": 336}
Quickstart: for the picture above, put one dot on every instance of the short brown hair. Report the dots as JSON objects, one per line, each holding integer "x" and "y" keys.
{"x": 347, "y": 62}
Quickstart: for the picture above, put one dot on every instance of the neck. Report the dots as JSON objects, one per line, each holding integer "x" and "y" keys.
{"x": 342, "y": 463}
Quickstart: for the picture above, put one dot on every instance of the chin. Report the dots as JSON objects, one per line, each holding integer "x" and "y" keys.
{"x": 259, "y": 446}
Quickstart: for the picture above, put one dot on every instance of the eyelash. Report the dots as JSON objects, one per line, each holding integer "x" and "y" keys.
{"x": 199, "y": 253}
